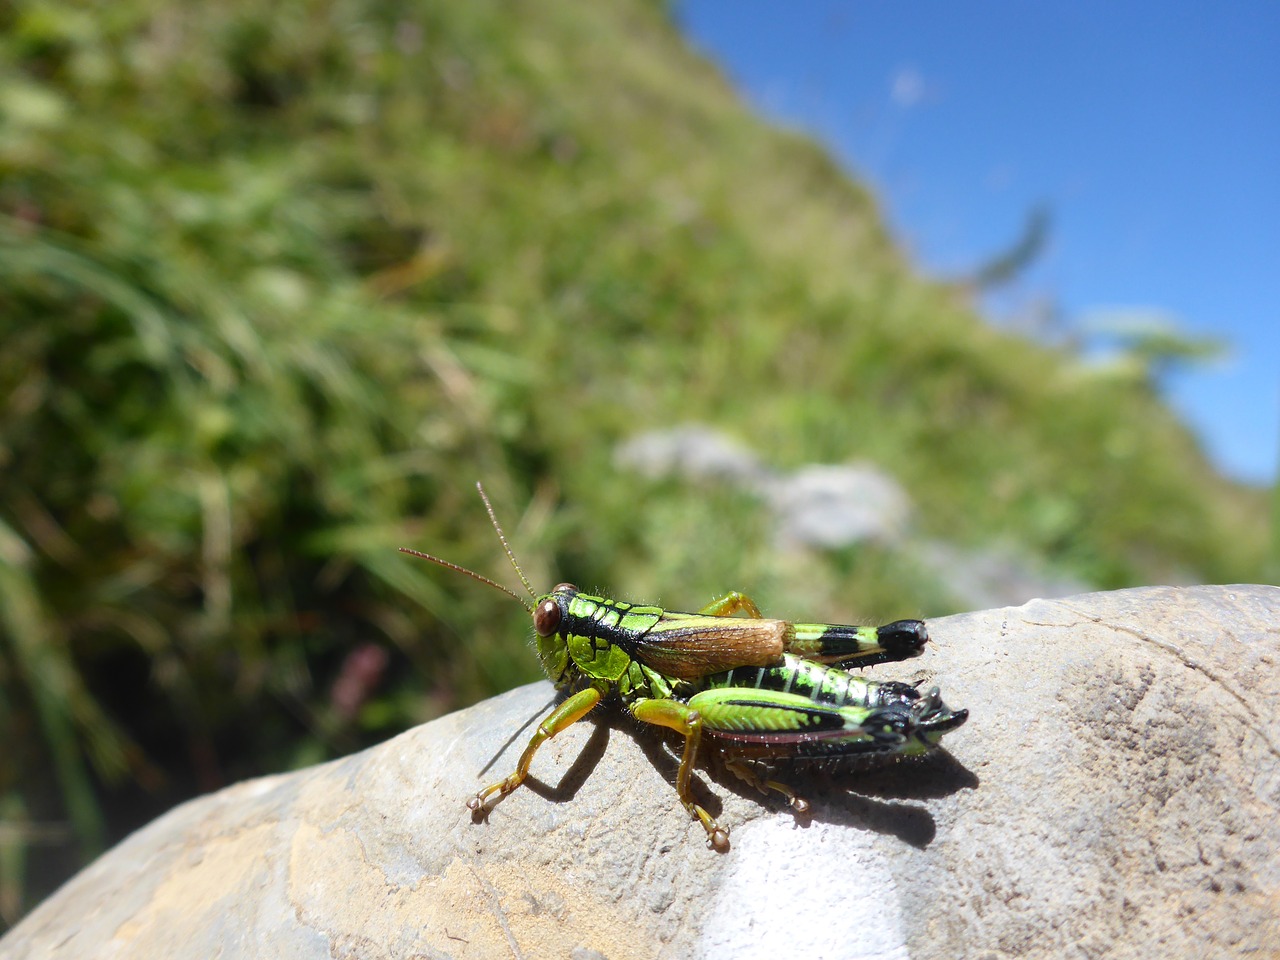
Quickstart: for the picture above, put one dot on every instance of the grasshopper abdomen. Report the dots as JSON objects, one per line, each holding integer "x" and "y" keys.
{"x": 804, "y": 709}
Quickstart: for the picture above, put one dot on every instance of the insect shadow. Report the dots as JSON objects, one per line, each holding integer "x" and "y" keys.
{"x": 865, "y": 794}
{"x": 876, "y": 795}
{"x": 571, "y": 782}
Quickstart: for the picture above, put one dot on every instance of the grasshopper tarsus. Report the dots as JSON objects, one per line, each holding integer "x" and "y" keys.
{"x": 749, "y": 688}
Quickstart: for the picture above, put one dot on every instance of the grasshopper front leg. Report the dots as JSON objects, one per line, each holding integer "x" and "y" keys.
{"x": 565, "y": 715}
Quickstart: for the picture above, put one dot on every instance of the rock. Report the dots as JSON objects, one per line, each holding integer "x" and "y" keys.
{"x": 1116, "y": 792}
{"x": 831, "y": 506}
{"x": 827, "y": 506}
{"x": 993, "y": 575}
{"x": 693, "y": 451}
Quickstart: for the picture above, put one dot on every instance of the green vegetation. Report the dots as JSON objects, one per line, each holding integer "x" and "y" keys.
{"x": 278, "y": 283}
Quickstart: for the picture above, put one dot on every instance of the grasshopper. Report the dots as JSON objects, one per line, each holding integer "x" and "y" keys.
{"x": 750, "y": 687}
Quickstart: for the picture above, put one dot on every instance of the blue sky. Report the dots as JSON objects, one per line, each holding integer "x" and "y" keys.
{"x": 1150, "y": 130}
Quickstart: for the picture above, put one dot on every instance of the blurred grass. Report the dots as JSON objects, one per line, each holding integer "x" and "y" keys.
{"x": 277, "y": 285}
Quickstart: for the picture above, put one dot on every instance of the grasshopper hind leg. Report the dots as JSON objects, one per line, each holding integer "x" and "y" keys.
{"x": 684, "y": 720}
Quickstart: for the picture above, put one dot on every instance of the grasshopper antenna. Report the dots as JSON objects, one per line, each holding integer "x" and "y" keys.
{"x": 475, "y": 576}
{"x": 470, "y": 573}
{"x": 501, "y": 536}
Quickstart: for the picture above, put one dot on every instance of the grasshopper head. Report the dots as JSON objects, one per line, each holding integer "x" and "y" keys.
{"x": 550, "y": 613}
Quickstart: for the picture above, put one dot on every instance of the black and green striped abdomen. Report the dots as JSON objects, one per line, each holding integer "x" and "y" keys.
{"x": 807, "y": 710}
{"x": 828, "y": 686}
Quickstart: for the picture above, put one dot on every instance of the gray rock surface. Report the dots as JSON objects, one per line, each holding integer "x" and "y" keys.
{"x": 694, "y": 451}
{"x": 819, "y": 505}
{"x": 833, "y": 506}
{"x": 1116, "y": 793}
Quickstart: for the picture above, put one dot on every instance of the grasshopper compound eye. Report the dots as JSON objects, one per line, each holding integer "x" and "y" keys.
{"x": 546, "y": 618}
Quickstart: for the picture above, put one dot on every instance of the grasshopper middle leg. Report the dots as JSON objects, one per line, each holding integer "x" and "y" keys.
{"x": 731, "y": 603}
{"x": 747, "y": 773}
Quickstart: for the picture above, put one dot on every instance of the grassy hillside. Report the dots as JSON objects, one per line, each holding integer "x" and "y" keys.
{"x": 278, "y": 283}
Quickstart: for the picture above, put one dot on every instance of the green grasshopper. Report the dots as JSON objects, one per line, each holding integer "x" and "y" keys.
{"x": 750, "y": 687}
